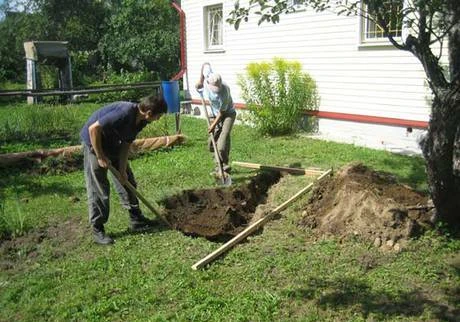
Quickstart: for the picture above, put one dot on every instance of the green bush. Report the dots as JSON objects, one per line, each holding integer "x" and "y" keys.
{"x": 48, "y": 76}
{"x": 276, "y": 93}
{"x": 85, "y": 69}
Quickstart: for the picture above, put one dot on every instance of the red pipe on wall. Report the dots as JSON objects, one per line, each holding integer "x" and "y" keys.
{"x": 183, "y": 58}
{"x": 354, "y": 117}
{"x": 369, "y": 119}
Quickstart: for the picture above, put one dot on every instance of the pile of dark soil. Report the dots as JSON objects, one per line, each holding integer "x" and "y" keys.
{"x": 358, "y": 201}
{"x": 218, "y": 214}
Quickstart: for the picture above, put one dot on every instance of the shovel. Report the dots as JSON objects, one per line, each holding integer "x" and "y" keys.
{"x": 128, "y": 185}
{"x": 225, "y": 178}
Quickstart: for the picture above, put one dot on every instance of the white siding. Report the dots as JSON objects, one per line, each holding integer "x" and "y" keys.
{"x": 376, "y": 81}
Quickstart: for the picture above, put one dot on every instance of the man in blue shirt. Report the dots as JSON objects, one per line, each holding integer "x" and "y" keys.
{"x": 106, "y": 137}
{"x": 220, "y": 99}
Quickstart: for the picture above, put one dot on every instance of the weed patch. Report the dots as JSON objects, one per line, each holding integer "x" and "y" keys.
{"x": 13, "y": 220}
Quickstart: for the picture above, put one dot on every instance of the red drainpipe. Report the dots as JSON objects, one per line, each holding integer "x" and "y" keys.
{"x": 369, "y": 119}
{"x": 183, "y": 58}
{"x": 353, "y": 117}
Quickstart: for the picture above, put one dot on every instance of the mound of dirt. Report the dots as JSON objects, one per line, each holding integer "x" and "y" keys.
{"x": 218, "y": 214}
{"x": 358, "y": 201}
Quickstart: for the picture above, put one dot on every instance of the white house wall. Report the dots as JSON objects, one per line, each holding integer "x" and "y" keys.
{"x": 354, "y": 79}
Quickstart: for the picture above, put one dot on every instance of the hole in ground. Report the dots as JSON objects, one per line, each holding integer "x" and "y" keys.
{"x": 219, "y": 214}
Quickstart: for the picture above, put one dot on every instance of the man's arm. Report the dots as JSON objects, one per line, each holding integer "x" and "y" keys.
{"x": 199, "y": 84}
{"x": 224, "y": 102}
{"x": 95, "y": 136}
{"x": 215, "y": 122}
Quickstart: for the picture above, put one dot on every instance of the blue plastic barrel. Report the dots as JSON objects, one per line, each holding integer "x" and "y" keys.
{"x": 171, "y": 95}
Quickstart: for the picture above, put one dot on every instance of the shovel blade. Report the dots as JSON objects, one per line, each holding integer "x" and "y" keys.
{"x": 226, "y": 180}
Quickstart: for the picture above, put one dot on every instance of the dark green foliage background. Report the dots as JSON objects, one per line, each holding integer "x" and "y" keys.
{"x": 105, "y": 37}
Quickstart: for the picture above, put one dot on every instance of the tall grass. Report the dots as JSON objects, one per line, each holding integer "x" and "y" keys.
{"x": 13, "y": 220}
{"x": 28, "y": 127}
{"x": 39, "y": 121}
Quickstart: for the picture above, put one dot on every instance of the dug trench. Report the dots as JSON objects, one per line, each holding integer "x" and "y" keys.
{"x": 216, "y": 214}
{"x": 356, "y": 201}
{"x": 219, "y": 214}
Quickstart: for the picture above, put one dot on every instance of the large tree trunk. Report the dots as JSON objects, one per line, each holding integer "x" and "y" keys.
{"x": 440, "y": 151}
{"x": 441, "y": 147}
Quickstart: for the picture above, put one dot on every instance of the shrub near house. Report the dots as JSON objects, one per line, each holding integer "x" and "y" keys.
{"x": 276, "y": 93}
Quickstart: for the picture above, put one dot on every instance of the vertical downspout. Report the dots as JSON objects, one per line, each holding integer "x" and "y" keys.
{"x": 183, "y": 58}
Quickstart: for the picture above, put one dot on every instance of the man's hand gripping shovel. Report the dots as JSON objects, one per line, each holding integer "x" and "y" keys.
{"x": 223, "y": 177}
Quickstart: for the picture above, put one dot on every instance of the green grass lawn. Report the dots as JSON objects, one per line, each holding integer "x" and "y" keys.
{"x": 55, "y": 272}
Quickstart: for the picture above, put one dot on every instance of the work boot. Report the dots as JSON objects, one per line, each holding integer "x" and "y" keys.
{"x": 100, "y": 237}
{"x": 140, "y": 223}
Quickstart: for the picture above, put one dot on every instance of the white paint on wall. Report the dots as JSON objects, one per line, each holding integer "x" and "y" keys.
{"x": 383, "y": 137}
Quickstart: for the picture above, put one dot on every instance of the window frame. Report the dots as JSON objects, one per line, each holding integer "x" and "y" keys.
{"x": 297, "y": 6}
{"x": 376, "y": 41}
{"x": 208, "y": 46}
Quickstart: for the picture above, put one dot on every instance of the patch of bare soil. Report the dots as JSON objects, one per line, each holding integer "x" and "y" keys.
{"x": 54, "y": 240}
{"x": 358, "y": 201}
{"x": 50, "y": 165}
{"x": 218, "y": 214}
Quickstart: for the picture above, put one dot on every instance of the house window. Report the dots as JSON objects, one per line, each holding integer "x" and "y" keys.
{"x": 296, "y": 4}
{"x": 213, "y": 27}
{"x": 372, "y": 32}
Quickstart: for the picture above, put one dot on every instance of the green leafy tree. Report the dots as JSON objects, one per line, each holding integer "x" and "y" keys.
{"x": 429, "y": 21}
{"x": 15, "y": 28}
{"x": 114, "y": 35}
{"x": 142, "y": 34}
{"x": 81, "y": 23}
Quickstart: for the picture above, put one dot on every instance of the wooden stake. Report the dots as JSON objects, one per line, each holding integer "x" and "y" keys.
{"x": 307, "y": 172}
{"x": 253, "y": 227}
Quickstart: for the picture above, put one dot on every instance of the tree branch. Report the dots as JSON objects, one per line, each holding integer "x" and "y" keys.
{"x": 429, "y": 62}
{"x": 384, "y": 25}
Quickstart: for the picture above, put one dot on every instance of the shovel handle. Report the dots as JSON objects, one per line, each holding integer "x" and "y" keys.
{"x": 128, "y": 185}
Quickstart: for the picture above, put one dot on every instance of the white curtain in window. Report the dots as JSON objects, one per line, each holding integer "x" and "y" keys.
{"x": 215, "y": 25}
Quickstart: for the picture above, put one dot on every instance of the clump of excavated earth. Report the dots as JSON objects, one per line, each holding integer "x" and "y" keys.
{"x": 358, "y": 201}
